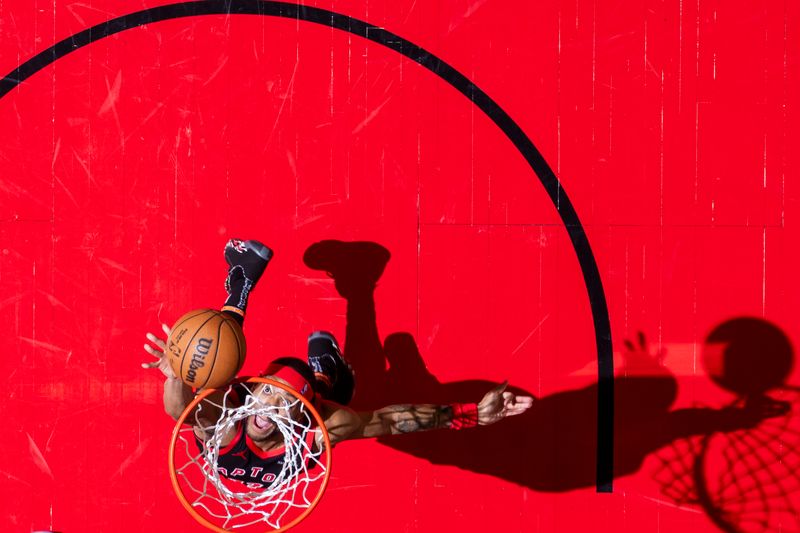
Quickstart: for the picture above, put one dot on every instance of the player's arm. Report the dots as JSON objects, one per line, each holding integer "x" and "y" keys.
{"x": 178, "y": 395}
{"x": 344, "y": 424}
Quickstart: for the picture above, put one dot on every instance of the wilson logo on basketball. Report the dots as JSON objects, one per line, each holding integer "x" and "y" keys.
{"x": 198, "y": 358}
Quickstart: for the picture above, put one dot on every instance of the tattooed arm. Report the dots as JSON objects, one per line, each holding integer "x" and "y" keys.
{"x": 406, "y": 418}
{"x": 344, "y": 424}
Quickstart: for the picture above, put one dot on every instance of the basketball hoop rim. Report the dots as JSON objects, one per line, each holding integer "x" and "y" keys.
{"x": 207, "y": 392}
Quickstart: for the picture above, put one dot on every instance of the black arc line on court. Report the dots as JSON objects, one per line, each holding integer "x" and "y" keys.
{"x": 569, "y": 217}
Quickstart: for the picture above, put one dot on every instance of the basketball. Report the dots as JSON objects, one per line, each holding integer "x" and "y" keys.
{"x": 206, "y": 348}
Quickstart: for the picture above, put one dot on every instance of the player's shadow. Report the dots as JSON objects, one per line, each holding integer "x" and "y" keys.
{"x": 551, "y": 447}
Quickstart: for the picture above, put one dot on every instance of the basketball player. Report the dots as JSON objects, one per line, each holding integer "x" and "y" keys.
{"x": 325, "y": 379}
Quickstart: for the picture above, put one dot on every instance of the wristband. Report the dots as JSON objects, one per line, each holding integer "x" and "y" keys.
{"x": 465, "y": 415}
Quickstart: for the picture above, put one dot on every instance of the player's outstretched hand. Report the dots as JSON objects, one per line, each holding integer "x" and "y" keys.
{"x": 158, "y": 352}
{"x": 499, "y": 403}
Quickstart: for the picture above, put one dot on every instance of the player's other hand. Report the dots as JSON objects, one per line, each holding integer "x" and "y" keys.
{"x": 158, "y": 352}
{"x": 499, "y": 403}
{"x": 639, "y": 359}
{"x": 761, "y": 407}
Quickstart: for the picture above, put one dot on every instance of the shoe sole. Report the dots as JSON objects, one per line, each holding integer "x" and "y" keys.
{"x": 347, "y": 378}
{"x": 261, "y": 249}
{"x": 324, "y": 335}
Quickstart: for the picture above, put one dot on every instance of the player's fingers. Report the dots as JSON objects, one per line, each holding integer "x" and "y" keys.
{"x": 517, "y": 405}
{"x": 511, "y": 398}
{"x": 521, "y": 403}
{"x": 152, "y": 351}
{"x": 526, "y": 401}
{"x": 519, "y": 400}
{"x": 500, "y": 388}
{"x": 166, "y": 329}
{"x": 155, "y": 340}
{"x": 515, "y": 412}
{"x": 150, "y": 365}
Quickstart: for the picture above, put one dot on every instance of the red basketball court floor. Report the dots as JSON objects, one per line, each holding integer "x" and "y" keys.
{"x": 128, "y": 163}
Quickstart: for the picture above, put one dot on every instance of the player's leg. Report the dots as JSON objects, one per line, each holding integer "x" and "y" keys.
{"x": 246, "y": 260}
{"x": 335, "y": 379}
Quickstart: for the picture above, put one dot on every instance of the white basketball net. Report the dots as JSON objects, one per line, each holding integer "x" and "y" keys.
{"x": 231, "y": 504}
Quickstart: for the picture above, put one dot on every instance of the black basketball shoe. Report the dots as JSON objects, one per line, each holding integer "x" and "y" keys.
{"x": 334, "y": 374}
{"x": 246, "y": 261}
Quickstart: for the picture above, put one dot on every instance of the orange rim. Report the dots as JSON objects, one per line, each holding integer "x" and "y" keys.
{"x": 199, "y": 398}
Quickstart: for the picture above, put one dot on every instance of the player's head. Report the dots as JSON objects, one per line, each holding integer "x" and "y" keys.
{"x": 293, "y": 372}
{"x": 289, "y": 371}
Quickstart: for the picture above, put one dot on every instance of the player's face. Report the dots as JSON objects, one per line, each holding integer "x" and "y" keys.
{"x": 260, "y": 428}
